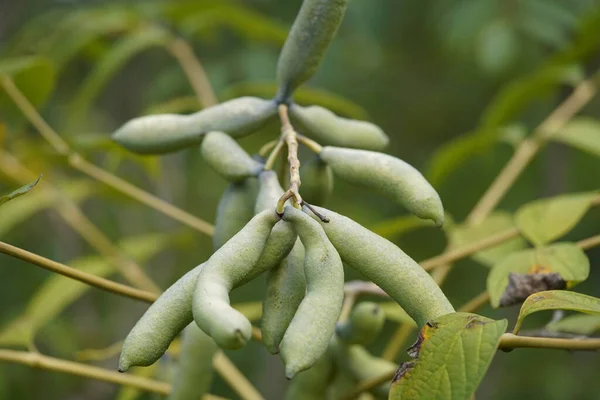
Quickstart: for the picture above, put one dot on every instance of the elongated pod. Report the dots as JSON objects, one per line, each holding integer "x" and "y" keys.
{"x": 235, "y": 209}
{"x": 194, "y": 372}
{"x": 165, "y": 319}
{"x": 313, "y": 383}
{"x": 364, "y": 324}
{"x": 329, "y": 129}
{"x": 317, "y": 181}
{"x": 228, "y": 266}
{"x": 228, "y": 158}
{"x": 310, "y": 35}
{"x": 308, "y": 335}
{"x": 388, "y": 175}
{"x": 165, "y": 133}
{"x": 286, "y": 283}
{"x": 388, "y": 266}
{"x": 286, "y": 286}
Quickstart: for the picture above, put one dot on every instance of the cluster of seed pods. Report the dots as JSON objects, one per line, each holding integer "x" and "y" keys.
{"x": 302, "y": 248}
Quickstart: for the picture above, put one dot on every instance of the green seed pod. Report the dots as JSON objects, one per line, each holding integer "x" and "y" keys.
{"x": 387, "y": 266}
{"x": 194, "y": 373}
{"x": 317, "y": 181}
{"x": 310, "y": 331}
{"x": 389, "y": 175}
{"x": 312, "y": 32}
{"x": 364, "y": 324}
{"x": 286, "y": 286}
{"x": 329, "y": 129}
{"x": 228, "y": 158}
{"x": 356, "y": 361}
{"x": 282, "y": 237}
{"x": 159, "y": 134}
{"x": 228, "y": 266}
{"x": 269, "y": 191}
{"x": 312, "y": 384}
{"x": 235, "y": 209}
{"x": 165, "y": 319}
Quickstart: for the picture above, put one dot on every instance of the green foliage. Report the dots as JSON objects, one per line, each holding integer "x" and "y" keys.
{"x": 565, "y": 259}
{"x": 576, "y": 324}
{"x": 452, "y": 354}
{"x": 545, "y": 220}
{"x": 557, "y": 300}
{"x": 495, "y": 223}
{"x": 19, "y": 192}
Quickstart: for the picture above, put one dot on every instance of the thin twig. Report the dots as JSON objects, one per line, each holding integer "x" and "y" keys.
{"x": 73, "y": 215}
{"x": 451, "y": 256}
{"x": 590, "y": 242}
{"x": 238, "y": 382}
{"x": 309, "y": 143}
{"x": 194, "y": 71}
{"x": 267, "y": 147}
{"x": 580, "y": 96}
{"x": 508, "y": 341}
{"x": 347, "y": 305}
{"x": 89, "y": 279}
{"x": 274, "y": 153}
{"x": 36, "y": 360}
{"x": 96, "y": 172}
{"x": 289, "y": 135}
{"x": 121, "y": 185}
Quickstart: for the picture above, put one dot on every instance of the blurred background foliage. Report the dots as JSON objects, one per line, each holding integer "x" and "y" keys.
{"x": 456, "y": 84}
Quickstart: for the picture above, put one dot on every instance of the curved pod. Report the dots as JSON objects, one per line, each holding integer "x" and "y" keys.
{"x": 308, "y": 40}
{"x": 387, "y": 266}
{"x": 311, "y": 329}
{"x": 286, "y": 283}
{"x": 236, "y": 208}
{"x": 223, "y": 271}
{"x": 317, "y": 181}
{"x": 388, "y": 175}
{"x": 329, "y": 129}
{"x": 160, "y": 324}
{"x": 165, "y": 133}
{"x": 227, "y": 158}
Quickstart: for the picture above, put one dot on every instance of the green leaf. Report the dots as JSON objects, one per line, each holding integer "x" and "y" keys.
{"x": 34, "y": 76}
{"x": 19, "y": 192}
{"x": 542, "y": 221}
{"x": 395, "y": 313}
{"x": 497, "y": 222}
{"x": 124, "y": 50}
{"x": 576, "y": 324}
{"x": 565, "y": 262}
{"x": 303, "y": 96}
{"x": 15, "y": 213}
{"x": 581, "y": 133}
{"x": 453, "y": 354}
{"x": 18, "y": 333}
{"x": 400, "y": 226}
{"x": 557, "y": 300}
{"x": 58, "y": 292}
